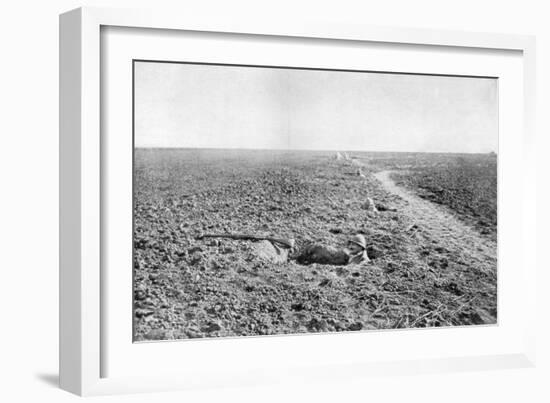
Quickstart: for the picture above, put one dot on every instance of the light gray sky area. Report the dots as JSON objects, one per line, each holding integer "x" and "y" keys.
{"x": 199, "y": 106}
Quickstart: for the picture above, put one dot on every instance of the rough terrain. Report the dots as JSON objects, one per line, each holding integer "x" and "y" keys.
{"x": 431, "y": 265}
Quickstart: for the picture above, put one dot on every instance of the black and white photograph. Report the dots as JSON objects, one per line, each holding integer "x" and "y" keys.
{"x": 274, "y": 200}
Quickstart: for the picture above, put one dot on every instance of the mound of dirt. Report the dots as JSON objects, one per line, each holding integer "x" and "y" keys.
{"x": 270, "y": 253}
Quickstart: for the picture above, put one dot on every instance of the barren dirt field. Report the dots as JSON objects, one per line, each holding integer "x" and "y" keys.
{"x": 467, "y": 184}
{"x": 432, "y": 242}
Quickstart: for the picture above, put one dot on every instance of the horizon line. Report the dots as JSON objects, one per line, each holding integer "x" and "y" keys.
{"x": 312, "y": 150}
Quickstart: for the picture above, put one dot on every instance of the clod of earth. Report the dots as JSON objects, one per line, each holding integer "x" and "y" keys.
{"x": 143, "y": 312}
{"x": 369, "y": 205}
{"x": 211, "y": 327}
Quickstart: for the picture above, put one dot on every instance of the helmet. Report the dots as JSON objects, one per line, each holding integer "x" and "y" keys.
{"x": 360, "y": 240}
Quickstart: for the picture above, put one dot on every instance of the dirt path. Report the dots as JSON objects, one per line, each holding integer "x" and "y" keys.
{"x": 442, "y": 225}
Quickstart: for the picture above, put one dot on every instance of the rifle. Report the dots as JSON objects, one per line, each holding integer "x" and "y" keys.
{"x": 288, "y": 243}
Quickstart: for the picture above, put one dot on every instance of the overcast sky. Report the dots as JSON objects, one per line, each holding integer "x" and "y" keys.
{"x": 183, "y": 105}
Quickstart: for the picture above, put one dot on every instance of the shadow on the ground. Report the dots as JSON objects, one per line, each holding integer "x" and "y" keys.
{"x": 49, "y": 379}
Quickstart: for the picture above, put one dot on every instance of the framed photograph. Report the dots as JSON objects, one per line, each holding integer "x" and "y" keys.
{"x": 249, "y": 202}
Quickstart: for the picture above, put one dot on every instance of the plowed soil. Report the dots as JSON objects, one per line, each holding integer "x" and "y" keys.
{"x": 432, "y": 265}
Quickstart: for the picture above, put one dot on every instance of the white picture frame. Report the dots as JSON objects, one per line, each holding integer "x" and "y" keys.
{"x": 83, "y": 307}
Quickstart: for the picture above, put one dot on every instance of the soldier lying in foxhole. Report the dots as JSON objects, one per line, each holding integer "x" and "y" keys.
{"x": 285, "y": 249}
{"x": 355, "y": 253}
